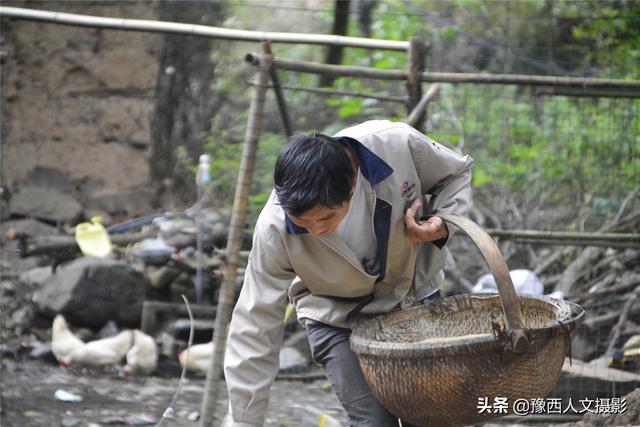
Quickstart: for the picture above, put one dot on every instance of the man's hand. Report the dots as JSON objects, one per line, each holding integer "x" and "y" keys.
{"x": 424, "y": 231}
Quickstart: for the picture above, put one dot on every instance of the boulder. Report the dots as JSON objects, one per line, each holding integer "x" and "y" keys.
{"x": 50, "y": 178}
{"x": 47, "y": 204}
{"x": 30, "y": 227}
{"x": 36, "y": 277}
{"x": 91, "y": 291}
{"x": 132, "y": 202}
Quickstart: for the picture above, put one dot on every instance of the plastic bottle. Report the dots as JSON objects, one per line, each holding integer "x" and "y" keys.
{"x": 202, "y": 175}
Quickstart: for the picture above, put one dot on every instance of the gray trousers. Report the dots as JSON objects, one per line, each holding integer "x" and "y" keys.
{"x": 330, "y": 348}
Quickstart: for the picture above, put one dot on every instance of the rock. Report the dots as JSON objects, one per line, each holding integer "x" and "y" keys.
{"x": 46, "y": 204}
{"x": 92, "y": 291}
{"x": 50, "y": 178}
{"x": 36, "y": 277}
{"x": 30, "y": 227}
{"x": 11, "y": 248}
{"x": 21, "y": 319}
{"x": 70, "y": 422}
{"x": 11, "y": 261}
{"x": 132, "y": 202}
{"x": 7, "y": 289}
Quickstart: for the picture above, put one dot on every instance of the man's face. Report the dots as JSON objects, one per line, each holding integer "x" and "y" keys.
{"x": 321, "y": 221}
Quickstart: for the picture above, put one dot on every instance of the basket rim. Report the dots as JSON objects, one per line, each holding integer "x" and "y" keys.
{"x": 568, "y": 317}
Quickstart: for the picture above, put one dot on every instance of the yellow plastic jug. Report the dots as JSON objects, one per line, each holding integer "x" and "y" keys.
{"x": 93, "y": 239}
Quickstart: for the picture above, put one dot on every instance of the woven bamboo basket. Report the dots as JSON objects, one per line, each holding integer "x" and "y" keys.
{"x": 445, "y": 363}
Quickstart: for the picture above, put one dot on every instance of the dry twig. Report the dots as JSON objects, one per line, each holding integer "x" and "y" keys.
{"x": 617, "y": 330}
{"x": 169, "y": 411}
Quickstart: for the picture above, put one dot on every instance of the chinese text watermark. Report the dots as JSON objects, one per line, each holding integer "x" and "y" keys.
{"x": 552, "y": 405}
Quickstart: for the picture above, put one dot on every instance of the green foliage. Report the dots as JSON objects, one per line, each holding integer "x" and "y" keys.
{"x": 556, "y": 150}
{"x": 577, "y": 147}
{"x": 612, "y": 41}
{"x": 225, "y": 150}
{"x": 348, "y": 107}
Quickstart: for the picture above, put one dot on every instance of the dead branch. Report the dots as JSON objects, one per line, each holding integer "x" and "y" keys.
{"x": 624, "y": 204}
{"x": 617, "y": 330}
{"x": 565, "y": 237}
{"x": 168, "y": 413}
{"x": 39, "y": 245}
{"x": 578, "y": 268}
{"x": 618, "y": 223}
{"x": 604, "y": 320}
{"x": 420, "y": 108}
{"x": 621, "y": 288}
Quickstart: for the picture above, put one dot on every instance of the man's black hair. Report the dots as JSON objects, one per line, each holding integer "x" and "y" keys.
{"x": 313, "y": 170}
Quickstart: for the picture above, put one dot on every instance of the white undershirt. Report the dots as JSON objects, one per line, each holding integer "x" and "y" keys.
{"x": 356, "y": 228}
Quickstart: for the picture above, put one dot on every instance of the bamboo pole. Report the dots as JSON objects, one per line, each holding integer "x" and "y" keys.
{"x": 416, "y": 115}
{"x": 531, "y": 80}
{"x": 582, "y": 243}
{"x": 236, "y": 228}
{"x": 632, "y": 86}
{"x": 339, "y": 70}
{"x": 198, "y": 30}
{"x": 282, "y": 103}
{"x": 416, "y": 63}
{"x": 560, "y": 235}
{"x": 587, "y": 92}
{"x": 333, "y": 92}
{"x": 614, "y": 240}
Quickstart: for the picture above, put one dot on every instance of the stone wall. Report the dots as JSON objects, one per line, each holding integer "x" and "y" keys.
{"x": 76, "y": 99}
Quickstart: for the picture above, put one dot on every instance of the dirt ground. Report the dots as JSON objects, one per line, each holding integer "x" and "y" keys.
{"x": 29, "y": 386}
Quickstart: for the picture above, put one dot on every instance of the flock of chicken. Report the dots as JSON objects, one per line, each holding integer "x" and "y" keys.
{"x": 137, "y": 348}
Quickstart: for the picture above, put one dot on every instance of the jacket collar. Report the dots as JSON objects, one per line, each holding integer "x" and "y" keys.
{"x": 292, "y": 228}
{"x": 372, "y": 167}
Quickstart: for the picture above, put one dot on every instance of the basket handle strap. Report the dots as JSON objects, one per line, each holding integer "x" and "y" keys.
{"x": 498, "y": 267}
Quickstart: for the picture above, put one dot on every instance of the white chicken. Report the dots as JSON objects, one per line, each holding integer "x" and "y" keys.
{"x": 142, "y": 357}
{"x": 99, "y": 353}
{"x": 199, "y": 357}
{"x": 63, "y": 341}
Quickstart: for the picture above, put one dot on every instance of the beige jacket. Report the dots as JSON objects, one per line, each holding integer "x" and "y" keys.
{"x": 322, "y": 276}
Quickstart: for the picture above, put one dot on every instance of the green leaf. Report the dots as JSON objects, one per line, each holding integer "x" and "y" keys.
{"x": 350, "y": 107}
{"x": 480, "y": 177}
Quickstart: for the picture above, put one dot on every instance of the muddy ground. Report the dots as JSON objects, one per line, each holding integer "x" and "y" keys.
{"x": 29, "y": 386}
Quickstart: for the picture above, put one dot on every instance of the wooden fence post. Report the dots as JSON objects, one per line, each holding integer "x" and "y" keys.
{"x": 417, "y": 59}
{"x": 282, "y": 103}
{"x": 236, "y": 233}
